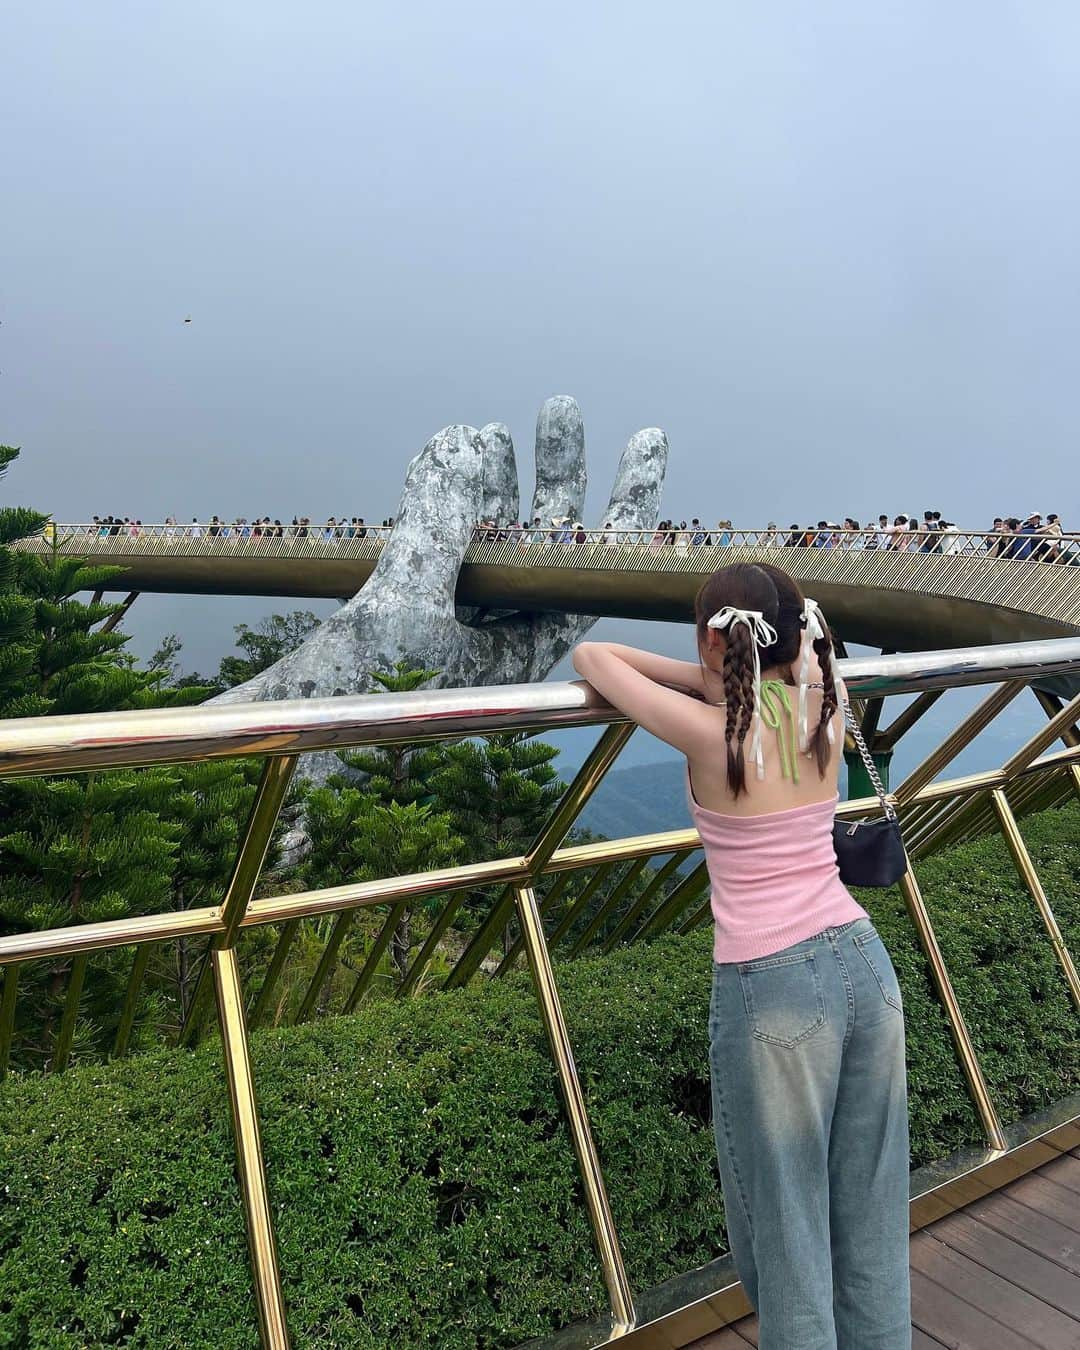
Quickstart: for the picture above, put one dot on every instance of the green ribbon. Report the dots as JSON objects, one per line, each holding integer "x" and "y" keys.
{"x": 777, "y": 713}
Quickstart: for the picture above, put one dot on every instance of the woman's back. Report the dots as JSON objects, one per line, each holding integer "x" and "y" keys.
{"x": 780, "y": 789}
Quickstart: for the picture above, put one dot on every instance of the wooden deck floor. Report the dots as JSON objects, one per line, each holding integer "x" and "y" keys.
{"x": 1002, "y": 1274}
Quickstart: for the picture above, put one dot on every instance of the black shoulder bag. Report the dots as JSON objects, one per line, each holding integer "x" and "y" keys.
{"x": 869, "y": 852}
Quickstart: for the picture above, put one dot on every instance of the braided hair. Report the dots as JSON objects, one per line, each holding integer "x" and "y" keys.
{"x": 769, "y": 589}
{"x": 791, "y": 607}
{"x": 743, "y": 586}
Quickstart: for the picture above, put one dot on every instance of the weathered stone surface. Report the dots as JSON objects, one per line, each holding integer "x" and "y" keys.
{"x": 406, "y": 610}
{"x": 560, "y": 460}
{"x": 635, "y": 497}
{"x": 500, "y": 494}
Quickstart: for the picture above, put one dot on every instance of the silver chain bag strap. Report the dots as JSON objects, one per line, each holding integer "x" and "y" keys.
{"x": 869, "y": 852}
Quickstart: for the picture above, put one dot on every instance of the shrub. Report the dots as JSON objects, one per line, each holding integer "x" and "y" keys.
{"x": 423, "y": 1185}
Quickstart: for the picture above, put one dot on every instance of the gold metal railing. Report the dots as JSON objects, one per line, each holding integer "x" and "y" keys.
{"x": 355, "y": 541}
{"x": 933, "y": 812}
{"x": 981, "y": 587}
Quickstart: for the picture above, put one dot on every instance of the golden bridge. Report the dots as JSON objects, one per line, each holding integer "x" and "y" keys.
{"x": 894, "y": 599}
{"x": 996, "y": 1226}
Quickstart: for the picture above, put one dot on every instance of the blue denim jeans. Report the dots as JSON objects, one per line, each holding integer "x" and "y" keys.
{"x": 809, "y": 1100}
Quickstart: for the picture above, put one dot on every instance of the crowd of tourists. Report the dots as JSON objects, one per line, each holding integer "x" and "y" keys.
{"x": 300, "y": 527}
{"x": 1036, "y": 537}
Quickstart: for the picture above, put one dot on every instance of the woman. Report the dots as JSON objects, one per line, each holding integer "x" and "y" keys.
{"x": 1051, "y": 550}
{"x": 806, "y": 1026}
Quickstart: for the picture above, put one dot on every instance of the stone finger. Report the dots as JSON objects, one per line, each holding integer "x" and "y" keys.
{"x": 639, "y": 482}
{"x": 440, "y": 505}
{"x": 560, "y": 461}
{"x": 500, "y": 491}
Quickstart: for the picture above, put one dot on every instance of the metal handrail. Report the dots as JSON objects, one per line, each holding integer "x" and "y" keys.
{"x": 279, "y": 732}
{"x": 41, "y": 745}
{"x": 364, "y": 541}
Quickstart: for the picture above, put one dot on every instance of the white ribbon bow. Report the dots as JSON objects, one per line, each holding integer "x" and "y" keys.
{"x": 813, "y": 622}
{"x": 764, "y": 635}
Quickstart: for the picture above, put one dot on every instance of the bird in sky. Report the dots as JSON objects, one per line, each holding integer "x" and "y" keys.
{"x": 188, "y": 319}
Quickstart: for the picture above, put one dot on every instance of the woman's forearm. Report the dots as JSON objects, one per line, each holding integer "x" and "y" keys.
{"x": 663, "y": 669}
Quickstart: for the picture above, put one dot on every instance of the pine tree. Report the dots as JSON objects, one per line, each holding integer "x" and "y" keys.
{"x": 209, "y": 805}
{"x": 17, "y": 643}
{"x": 357, "y": 837}
{"x": 81, "y": 850}
{"x": 397, "y": 775}
{"x": 267, "y": 642}
{"x": 499, "y": 791}
{"x": 76, "y": 848}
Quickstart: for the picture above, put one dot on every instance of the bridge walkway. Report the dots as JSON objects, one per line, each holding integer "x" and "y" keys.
{"x": 1003, "y": 1273}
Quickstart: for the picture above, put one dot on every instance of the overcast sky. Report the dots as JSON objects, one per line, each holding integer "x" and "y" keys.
{"x": 830, "y": 248}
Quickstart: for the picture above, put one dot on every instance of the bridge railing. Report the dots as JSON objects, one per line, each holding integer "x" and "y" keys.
{"x": 508, "y": 543}
{"x": 526, "y": 890}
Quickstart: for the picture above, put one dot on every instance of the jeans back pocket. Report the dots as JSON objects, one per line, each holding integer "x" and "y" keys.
{"x": 783, "y": 999}
{"x": 876, "y": 957}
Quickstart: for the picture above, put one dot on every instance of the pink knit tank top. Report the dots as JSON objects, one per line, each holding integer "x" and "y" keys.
{"x": 774, "y": 878}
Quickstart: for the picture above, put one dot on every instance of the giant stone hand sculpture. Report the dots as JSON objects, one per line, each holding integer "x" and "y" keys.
{"x": 406, "y": 610}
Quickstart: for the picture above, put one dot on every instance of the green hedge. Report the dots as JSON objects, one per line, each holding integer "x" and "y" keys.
{"x": 423, "y": 1185}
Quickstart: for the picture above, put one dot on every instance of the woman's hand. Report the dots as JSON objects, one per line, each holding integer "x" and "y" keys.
{"x": 685, "y": 676}
{"x": 664, "y": 696}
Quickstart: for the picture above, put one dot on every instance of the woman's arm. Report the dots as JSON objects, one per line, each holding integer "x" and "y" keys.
{"x": 675, "y": 717}
{"x": 685, "y": 675}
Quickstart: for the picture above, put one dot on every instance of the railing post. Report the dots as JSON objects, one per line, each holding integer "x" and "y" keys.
{"x": 1026, "y": 868}
{"x": 269, "y": 1299}
{"x": 7, "y": 1015}
{"x": 585, "y": 782}
{"x": 969, "y": 1060}
{"x": 222, "y": 962}
{"x": 603, "y": 1224}
{"x": 273, "y": 785}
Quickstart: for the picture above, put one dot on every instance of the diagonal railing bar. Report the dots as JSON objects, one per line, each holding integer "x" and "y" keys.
{"x": 680, "y": 897}
{"x": 603, "y": 1223}
{"x": 1058, "y": 725}
{"x": 905, "y": 720}
{"x": 131, "y": 1000}
{"x": 1030, "y": 876}
{"x": 371, "y": 965}
{"x": 611, "y": 903}
{"x": 915, "y": 815}
{"x": 273, "y": 971}
{"x": 327, "y": 962}
{"x": 72, "y": 997}
{"x": 482, "y": 942}
{"x": 696, "y": 919}
{"x": 965, "y": 1047}
{"x": 934, "y": 814}
{"x": 957, "y": 740}
{"x": 951, "y": 826}
{"x": 269, "y": 795}
{"x": 645, "y": 899}
{"x": 438, "y": 930}
{"x": 582, "y": 901}
{"x": 1052, "y": 705}
{"x": 7, "y": 1015}
{"x": 584, "y": 784}
{"x": 1053, "y": 790}
{"x": 549, "y": 900}
{"x": 871, "y": 718}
